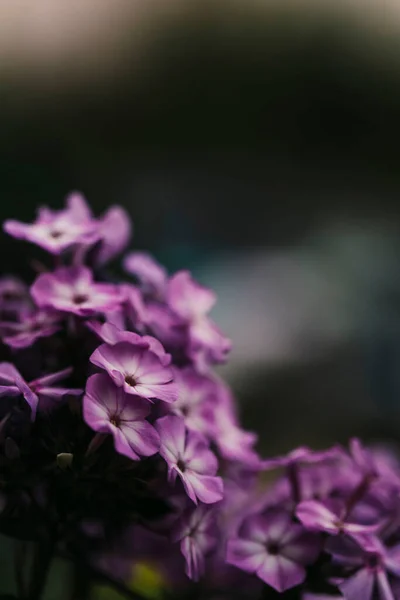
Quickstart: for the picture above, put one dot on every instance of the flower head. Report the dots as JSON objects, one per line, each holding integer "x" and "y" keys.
{"x": 108, "y": 409}
{"x": 192, "y": 303}
{"x": 368, "y": 564}
{"x": 56, "y": 231}
{"x": 72, "y": 290}
{"x": 196, "y": 530}
{"x": 274, "y": 548}
{"x": 134, "y": 366}
{"x": 188, "y": 456}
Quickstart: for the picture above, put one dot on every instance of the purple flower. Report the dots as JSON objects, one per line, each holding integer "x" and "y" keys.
{"x": 317, "y": 516}
{"x": 197, "y": 397}
{"x": 368, "y": 563}
{"x": 150, "y": 274}
{"x": 55, "y": 231}
{"x": 274, "y": 548}
{"x": 192, "y": 302}
{"x": 114, "y": 229}
{"x": 375, "y": 464}
{"x": 110, "y": 334}
{"x": 13, "y": 384}
{"x": 72, "y": 290}
{"x": 197, "y": 532}
{"x": 31, "y": 325}
{"x": 302, "y": 455}
{"x": 108, "y": 409}
{"x": 188, "y": 456}
{"x": 233, "y": 442}
{"x": 137, "y": 368}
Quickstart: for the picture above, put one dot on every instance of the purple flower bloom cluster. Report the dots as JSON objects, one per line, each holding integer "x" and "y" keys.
{"x": 140, "y": 456}
{"x": 329, "y": 525}
{"x": 143, "y": 431}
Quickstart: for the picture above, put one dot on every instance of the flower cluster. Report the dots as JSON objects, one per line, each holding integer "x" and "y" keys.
{"x": 142, "y": 433}
{"x": 329, "y": 525}
{"x": 120, "y": 445}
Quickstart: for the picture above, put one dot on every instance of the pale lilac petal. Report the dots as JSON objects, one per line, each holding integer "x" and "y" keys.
{"x": 172, "y": 433}
{"x": 281, "y": 573}
{"x": 208, "y": 489}
{"x": 115, "y": 230}
{"x": 245, "y": 554}
{"x": 167, "y": 392}
{"x": 199, "y": 458}
{"x": 8, "y": 373}
{"x": 385, "y": 591}
{"x": 151, "y": 274}
{"x": 358, "y": 586}
{"x": 77, "y": 204}
{"x": 141, "y": 437}
{"x": 188, "y": 298}
{"x": 47, "y": 380}
{"x": 315, "y": 515}
{"x": 122, "y": 445}
{"x": 392, "y": 560}
{"x": 9, "y": 390}
{"x": 194, "y": 558}
{"x": 100, "y": 399}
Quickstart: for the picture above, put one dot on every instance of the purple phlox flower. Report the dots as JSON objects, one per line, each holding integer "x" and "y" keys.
{"x": 72, "y": 290}
{"x": 115, "y": 230}
{"x": 192, "y": 303}
{"x": 197, "y": 531}
{"x": 31, "y": 325}
{"x": 302, "y": 455}
{"x": 376, "y": 464}
{"x": 112, "y": 335}
{"x": 243, "y": 497}
{"x": 367, "y": 563}
{"x": 137, "y": 368}
{"x": 166, "y": 325}
{"x": 151, "y": 275}
{"x": 188, "y": 456}
{"x": 274, "y": 548}
{"x": 233, "y": 442}
{"x": 197, "y": 397}
{"x": 13, "y": 384}
{"x": 331, "y": 517}
{"x": 55, "y": 231}
{"x": 135, "y": 311}
{"x": 108, "y": 409}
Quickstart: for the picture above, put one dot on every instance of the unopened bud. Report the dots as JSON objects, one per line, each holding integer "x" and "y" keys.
{"x": 64, "y": 460}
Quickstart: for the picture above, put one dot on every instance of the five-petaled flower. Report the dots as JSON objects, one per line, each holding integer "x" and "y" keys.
{"x": 109, "y": 410}
{"x": 136, "y": 368}
{"x": 72, "y": 290}
{"x": 274, "y": 548}
{"x": 188, "y": 456}
{"x": 196, "y": 531}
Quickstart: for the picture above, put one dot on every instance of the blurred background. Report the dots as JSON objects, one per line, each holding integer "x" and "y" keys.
{"x": 254, "y": 142}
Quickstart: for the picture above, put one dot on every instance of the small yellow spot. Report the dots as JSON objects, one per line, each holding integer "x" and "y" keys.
{"x": 147, "y": 581}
